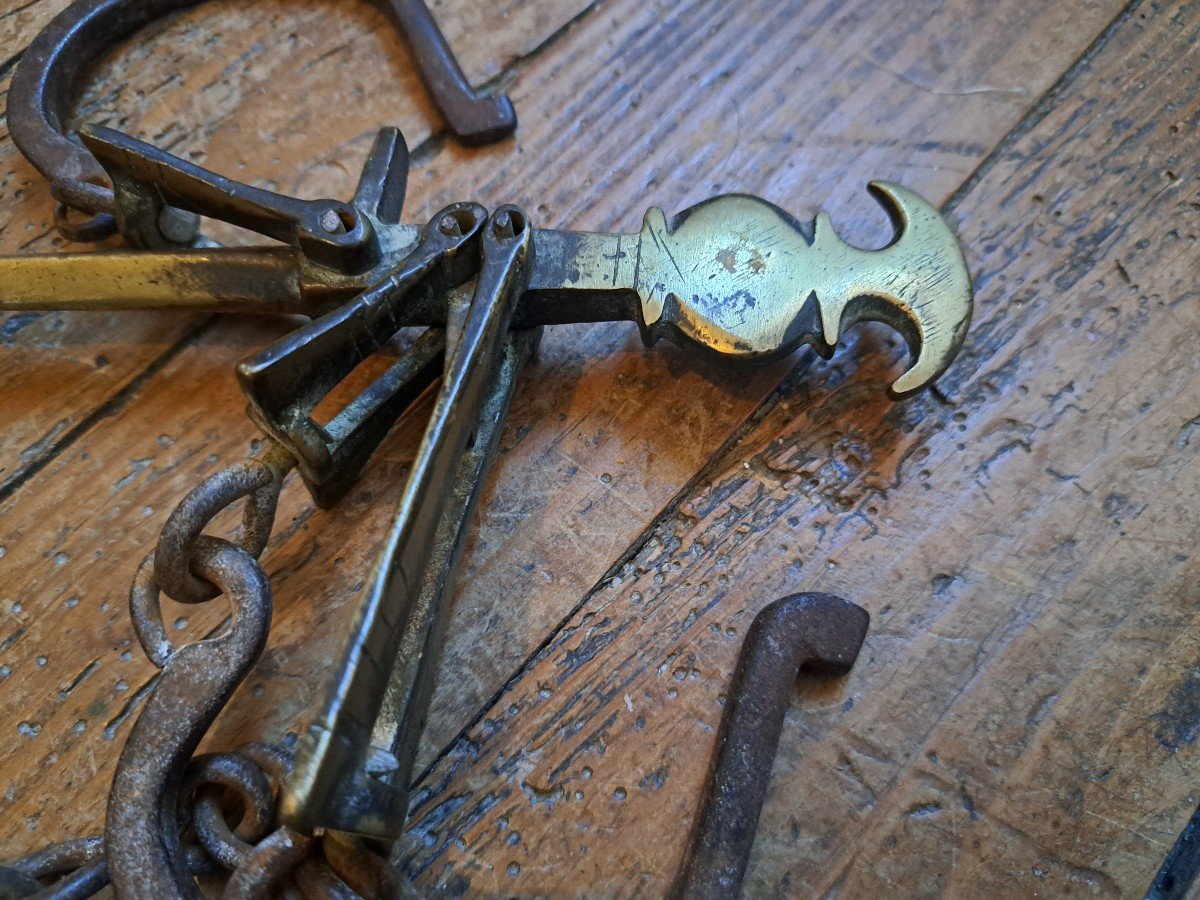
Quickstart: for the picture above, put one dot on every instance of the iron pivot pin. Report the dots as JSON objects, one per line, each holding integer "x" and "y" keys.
{"x": 734, "y": 276}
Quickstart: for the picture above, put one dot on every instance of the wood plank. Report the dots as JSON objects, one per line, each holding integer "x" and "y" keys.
{"x": 591, "y": 406}
{"x": 610, "y": 433}
{"x": 1022, "y": 718}
{"x": 276, "y": 93}
{"x": 44, "y": 394}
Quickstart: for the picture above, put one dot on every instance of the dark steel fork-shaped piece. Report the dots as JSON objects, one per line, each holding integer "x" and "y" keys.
{"x": 734, "y": 277}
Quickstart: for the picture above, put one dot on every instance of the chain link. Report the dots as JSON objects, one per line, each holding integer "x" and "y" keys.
{"x": 173, "y": 816}
{"x": 259, "y": 481}
{"x": 211, "y": 780}
{"x": 142, "y": 841}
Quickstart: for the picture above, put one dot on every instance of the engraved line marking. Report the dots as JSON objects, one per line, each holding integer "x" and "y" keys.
{"x": 667, "y": 250}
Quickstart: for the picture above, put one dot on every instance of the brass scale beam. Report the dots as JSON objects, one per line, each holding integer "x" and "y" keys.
{"x": 733, "y": 277}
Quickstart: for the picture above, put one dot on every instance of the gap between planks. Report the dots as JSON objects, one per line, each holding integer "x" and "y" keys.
{"x": 422, "y": 154}
{"x": 718, "y": 460}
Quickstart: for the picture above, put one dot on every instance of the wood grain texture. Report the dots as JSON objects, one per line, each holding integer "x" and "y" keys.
{"x": 602, "y": 434}
{"x": 1022, "y": 718}
{"x": 634, "y": 105}
{"x": 65, "y": 376}
{"x": 282, "y": 94}
{"x": 611, "y": 433}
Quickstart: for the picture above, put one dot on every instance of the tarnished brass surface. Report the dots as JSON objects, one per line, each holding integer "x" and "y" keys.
{"x": 735, "y": 276}
{"x": 339, "y": 782}
{"x": 218, "y": 280}
{"x": 738, "y": 277}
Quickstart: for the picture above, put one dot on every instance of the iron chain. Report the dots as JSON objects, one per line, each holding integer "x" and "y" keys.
{"x": 173, "y": 816}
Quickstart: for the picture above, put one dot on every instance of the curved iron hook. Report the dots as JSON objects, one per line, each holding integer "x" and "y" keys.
{"x": 47, "y": 81}
{"x": 145, "y": 856}
{"x": 812, "y": 632}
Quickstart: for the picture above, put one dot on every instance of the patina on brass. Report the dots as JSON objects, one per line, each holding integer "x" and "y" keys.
{"x": 737, "y": 277}
{"x": 734, "y": 276}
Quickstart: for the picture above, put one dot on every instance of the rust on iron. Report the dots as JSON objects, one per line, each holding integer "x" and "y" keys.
{"x": 75, "y": 868}
{"x": 334, "y": 785}
{"x": 817, "y": 634}
{"x": 50, "y": 78}
{"x": 734, "y": 277}
{"x": 168, "y": 813}
{"x": 472, "y": 117}
{"x": 143, "y": 849}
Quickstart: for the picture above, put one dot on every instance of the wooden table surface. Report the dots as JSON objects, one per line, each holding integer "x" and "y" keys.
{"x": 1024, "y": 716}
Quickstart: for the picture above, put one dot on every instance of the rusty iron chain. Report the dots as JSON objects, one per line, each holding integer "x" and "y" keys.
{"x": 259, "y": 481}
{"x": 173, "y": 816}
{"x": 361, "y": 274}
